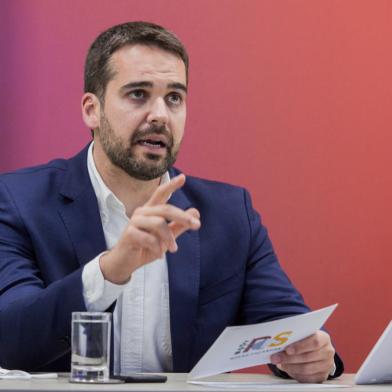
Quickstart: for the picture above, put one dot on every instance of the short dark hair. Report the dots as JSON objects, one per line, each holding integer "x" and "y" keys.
{"x": 97, "y": 70}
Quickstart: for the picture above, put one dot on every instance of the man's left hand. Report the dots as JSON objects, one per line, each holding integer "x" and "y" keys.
{"x": 310, "y": 360}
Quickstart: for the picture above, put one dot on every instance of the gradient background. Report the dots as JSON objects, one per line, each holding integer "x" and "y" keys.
{"x": 291, "y": 99}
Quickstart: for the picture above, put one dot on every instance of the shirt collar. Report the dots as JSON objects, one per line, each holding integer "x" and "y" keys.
{"x": 106, "y": 198}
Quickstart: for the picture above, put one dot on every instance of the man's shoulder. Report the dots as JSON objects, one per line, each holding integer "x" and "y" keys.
{"x": 34, "y": 177}
{"x": 59, "y": 164}
{"x": 44, "y": 176}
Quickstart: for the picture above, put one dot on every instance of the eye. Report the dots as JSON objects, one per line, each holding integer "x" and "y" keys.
{"x": 174, "y": 98}
{"x": 138, "y": 95}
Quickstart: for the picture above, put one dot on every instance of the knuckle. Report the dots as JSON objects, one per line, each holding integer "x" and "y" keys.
{"x": 315, "y": 343}
{"x": 330, "y": 351}
{"x": 130, "y": 230}
{"x": 136, "y": 222}
{"x": 167, "y": 208}
{"x": 323, "y": 337}
{"x": 137, "y": 211}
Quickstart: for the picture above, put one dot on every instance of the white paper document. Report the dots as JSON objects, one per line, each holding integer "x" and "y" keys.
{"x": 377, "y": 368}
{"x": 280, "y": 385}
{"x": 251, "y": 345}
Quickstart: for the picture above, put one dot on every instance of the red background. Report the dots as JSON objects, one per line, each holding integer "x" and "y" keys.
{"x": 291, "y": 99}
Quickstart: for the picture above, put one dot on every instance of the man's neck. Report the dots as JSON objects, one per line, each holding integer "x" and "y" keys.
{"x": 130, "y": 191}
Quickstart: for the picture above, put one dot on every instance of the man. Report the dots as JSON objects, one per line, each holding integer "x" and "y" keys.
{"x": 116, "y": 228}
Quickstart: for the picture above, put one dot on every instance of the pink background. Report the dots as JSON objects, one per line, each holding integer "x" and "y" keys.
{"x": 291, "y": 99}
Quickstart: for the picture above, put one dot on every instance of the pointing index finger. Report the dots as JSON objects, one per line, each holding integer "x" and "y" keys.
{"x": 162, "y": 193}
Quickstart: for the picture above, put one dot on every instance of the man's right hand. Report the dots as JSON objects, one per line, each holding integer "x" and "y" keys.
{"x": 152, "y": 230}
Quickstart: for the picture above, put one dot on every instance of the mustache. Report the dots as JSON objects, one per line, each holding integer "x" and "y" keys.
{"x": 153, "y": 129}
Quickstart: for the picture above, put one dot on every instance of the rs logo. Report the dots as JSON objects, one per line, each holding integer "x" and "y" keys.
{"x": 264, "y": 342}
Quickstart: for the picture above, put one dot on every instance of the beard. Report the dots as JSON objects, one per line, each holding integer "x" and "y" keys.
{"x": 145, "y": 168}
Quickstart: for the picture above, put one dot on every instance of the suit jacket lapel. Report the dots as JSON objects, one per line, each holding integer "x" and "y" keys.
{"x": 184, "y": 279}
{"x": 80, "y": 211}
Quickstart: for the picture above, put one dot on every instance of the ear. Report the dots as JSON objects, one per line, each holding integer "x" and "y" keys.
{"x": 91, "y": 110}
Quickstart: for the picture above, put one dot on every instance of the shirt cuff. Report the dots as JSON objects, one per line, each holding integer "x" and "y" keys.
{"x": 98, "y": 293}
{"x": 332, "y": 372}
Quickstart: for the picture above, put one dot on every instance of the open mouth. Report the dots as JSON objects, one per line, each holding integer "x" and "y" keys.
{"x": 152, "y": 143}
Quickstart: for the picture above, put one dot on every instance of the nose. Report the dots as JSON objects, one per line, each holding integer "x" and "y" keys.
{"x": 158, "y": 112}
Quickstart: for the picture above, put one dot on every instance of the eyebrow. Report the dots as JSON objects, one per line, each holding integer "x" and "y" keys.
{"x": 145, "y": 84}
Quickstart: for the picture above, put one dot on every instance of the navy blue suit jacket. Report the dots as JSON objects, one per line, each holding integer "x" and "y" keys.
{"x": 224, "y": 274}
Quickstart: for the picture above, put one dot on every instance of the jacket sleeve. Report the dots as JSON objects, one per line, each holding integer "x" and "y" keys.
{"x": 269, "y": 294}
{"x": 35, "y": 318}
{"x": 281, "y": 299}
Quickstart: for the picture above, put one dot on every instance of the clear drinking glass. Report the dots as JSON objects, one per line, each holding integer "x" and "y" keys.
{"x": 90, "y": 360}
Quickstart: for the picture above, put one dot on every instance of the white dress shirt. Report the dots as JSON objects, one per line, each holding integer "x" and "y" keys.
{"x": 141, "y": 318}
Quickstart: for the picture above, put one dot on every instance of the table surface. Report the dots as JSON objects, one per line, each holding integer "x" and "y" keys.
{"x": 177, "y": 382}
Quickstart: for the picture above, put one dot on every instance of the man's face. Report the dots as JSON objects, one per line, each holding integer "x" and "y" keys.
{"x": 143, "y": 117}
